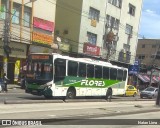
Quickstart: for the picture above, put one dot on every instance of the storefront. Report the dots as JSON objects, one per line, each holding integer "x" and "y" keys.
{"x": 18, "y": 53}
{"x": 40, "y": 49}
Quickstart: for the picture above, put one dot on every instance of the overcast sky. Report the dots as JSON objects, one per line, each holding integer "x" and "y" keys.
{"x": 150, "y": 19}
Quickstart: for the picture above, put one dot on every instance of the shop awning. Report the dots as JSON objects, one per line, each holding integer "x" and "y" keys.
{"x": 142, "y": 77}
{"x": 155, "y": 79}
{"x": 146, "y": 77}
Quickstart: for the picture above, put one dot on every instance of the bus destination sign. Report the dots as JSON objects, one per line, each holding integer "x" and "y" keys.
{"x": 40, "y": 57}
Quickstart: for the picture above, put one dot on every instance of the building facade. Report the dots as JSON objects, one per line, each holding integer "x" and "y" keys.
{"x": 106, "y": 29}
{"x": 148, "y": 51}
{"x": 31, "y": 29}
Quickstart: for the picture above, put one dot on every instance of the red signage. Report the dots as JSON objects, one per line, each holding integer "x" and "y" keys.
{"x": 40, "y": 57}
{"x": 43, "y": 24}
{"x": 91, "y": 49}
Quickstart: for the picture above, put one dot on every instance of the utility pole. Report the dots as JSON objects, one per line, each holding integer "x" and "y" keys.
{"x": 158, "y": 95}
{"x": 153, "y": 67}
{"x": 6, "y": 39}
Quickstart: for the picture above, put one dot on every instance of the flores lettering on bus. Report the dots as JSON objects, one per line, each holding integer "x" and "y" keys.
{"x": 92, "y": 83}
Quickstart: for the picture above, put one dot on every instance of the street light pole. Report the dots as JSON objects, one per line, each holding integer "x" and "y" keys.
{"x": 6, "y": 39}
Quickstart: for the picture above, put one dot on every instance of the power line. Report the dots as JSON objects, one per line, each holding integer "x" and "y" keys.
{"x": 32, "y": 24}
{"x": 104, "y": 18}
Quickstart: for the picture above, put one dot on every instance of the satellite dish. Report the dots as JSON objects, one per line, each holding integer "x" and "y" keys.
{"x": 58, "y": 39}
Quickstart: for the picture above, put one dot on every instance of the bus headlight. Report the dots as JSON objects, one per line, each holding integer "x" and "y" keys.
{"x": 49, "y": 86}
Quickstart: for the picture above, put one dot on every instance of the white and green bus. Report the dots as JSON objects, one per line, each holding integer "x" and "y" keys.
{"x": 55, "y": 75}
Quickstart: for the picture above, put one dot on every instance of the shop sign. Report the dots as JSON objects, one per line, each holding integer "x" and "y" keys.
{"x": 91, "y": 49}
{"x": 43, "y": 24}
{"x": 42, "y": 38}
{"x": 39, "y": 49}
{"x": 17, "y": 49}
{"x": 64, "y": 47}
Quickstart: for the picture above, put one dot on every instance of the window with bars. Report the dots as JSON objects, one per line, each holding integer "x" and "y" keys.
{"x": 132, "y": 9}
{"x": 92, "y": 38}
{"x": 3, "y": 10}
{"x": 16, "y": 13}
{"x": 141, "y": 57}
{"x": 129, "y": 29}
{"x": 94, "y": 14}
{"x": 117, "y": 3}
{"x": 143, "y": 45}
{"x": 27, "y": 17}
{"x": 112, "y": 22}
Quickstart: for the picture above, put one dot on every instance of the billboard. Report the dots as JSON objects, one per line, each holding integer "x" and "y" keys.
{"x": 91, "y": 49}
{"x": 42, "y": 38}
{"x": 43, "y": 24}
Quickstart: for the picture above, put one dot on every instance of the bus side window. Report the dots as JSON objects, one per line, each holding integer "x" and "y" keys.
{"x": 90, "y": 71}
{"x": 82, "y": 70}
{"x": 72, "y": 68}
{"x": 98, "y": 72}
{"x": 60, "y": 69}
{"x": 120, "y": 74}
{"x": 113, "y": 73}
{"x": 106, "y": 73}
{"x": 124, "y": 75}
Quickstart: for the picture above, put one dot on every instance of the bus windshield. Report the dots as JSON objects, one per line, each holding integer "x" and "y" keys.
{"x": 40, "y": 69}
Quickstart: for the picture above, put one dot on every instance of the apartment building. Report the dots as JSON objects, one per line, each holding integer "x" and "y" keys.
{"x": 148, "y": 51}
{"x": 100, "y": 28}
{"x": 31, "y": 29}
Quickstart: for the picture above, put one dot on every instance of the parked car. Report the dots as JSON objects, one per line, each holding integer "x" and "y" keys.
{"x": 130, "y": 91}
{"x": 150, "y": 92}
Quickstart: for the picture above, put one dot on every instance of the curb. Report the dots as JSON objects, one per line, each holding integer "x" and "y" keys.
{"x": 31, "y": 101}
{"x": 68, "y": 101}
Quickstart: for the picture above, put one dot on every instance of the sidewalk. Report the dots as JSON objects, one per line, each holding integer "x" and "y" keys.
{"x": 11, "y": 86}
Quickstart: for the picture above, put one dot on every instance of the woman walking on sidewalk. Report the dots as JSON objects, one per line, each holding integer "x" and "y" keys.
{"x": 5, "y": 79}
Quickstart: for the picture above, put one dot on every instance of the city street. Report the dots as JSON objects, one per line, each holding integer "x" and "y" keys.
{"x": 24, "y": 107}
{"x": 17, "y": 95}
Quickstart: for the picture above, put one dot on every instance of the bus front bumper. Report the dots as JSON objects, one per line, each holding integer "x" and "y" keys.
{"x": 38, "y": 92}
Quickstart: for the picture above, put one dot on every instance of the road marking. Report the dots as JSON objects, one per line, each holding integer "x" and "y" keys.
{"x": 52, "y": 115}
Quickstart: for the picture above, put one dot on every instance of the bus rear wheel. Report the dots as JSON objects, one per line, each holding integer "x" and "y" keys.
{"x": 71, "y": 93}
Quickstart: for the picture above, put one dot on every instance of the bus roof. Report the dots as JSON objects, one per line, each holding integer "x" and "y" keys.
{"x": 88, "y": 60}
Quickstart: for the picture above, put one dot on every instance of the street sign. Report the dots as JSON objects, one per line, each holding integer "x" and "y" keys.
{"x": 133, "y": 69}
{"x": 136, "y": 62}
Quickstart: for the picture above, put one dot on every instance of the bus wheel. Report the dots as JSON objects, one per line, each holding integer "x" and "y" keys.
{"x": 109, "y": 93}
{"x": 71, "y": 93}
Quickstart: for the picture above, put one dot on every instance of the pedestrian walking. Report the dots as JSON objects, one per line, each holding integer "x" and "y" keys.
{"x": 5, "y": 79}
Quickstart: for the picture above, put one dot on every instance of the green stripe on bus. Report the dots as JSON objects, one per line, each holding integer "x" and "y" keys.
{"x": 83, "y": 82}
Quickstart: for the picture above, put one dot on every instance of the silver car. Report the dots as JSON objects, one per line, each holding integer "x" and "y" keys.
{"x": 149, "y": 92}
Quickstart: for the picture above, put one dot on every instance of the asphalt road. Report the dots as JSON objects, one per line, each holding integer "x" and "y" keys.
{"x": 141, "y": 120}
{"x": 17, "y": 95}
